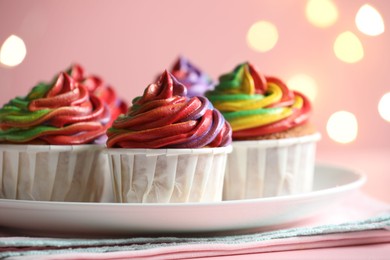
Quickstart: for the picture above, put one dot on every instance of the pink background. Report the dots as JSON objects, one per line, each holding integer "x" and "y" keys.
{"x": 129, "y": 42}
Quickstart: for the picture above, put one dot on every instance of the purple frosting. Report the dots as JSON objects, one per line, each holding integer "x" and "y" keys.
{"x": 196, "y": 81}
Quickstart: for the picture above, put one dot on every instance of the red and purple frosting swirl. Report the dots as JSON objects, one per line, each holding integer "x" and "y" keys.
{"x": 165, "y": 117}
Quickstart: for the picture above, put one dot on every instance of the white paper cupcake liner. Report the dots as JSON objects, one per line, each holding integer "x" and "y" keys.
{"x": 73, "y": 173}
{"x": 168, "y": 175}
{"x": 267, "y": 168}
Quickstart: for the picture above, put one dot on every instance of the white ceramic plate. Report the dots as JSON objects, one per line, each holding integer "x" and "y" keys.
{"x": 331, "y": 184}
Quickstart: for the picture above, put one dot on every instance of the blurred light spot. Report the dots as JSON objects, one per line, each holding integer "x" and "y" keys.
{"x": 262, "y": 36}
{"x": 384, "y": 107}
{"x": 348, "y": 47}
{"x": 13, "y": 51}
{"x": 369, "y": 21}
{"x": 321, "y": 13}
{"x": 304, "y": 84}
{"x": 342, "y": 127}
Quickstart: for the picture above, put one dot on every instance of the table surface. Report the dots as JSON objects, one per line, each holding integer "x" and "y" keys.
{"x": 363, "y": 252}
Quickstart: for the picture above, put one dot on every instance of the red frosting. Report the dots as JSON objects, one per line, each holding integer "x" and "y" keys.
{"x": 96, "y": 85}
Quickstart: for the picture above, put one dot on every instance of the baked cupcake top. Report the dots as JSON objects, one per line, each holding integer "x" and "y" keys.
{"x": 165, "y": 117}
{"x": 196, "y": 81}
{"x": 61, "y": 113}
{"x": 257, "y": 105}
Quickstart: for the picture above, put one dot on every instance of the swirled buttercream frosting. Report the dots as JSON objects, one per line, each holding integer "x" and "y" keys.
{"x": 98, "y": 87}
{"x": 196, "y": 81}
{"x": 257, "y": 105}
{"x": 165, "y": 117}
{"x": 61, "y": 113}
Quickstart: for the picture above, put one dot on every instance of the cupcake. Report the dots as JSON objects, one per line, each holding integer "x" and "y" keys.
{"x": 196, "y": 81}
{"x": 273, "y": 141}
{"x": 48, "y": 144}
{"x": 168, "y": 147}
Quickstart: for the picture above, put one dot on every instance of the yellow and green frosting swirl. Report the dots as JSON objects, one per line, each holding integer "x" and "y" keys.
{"x": 257, "y": 105}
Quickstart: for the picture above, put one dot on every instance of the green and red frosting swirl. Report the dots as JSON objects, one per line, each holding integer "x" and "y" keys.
{"x": 67, "y": 111}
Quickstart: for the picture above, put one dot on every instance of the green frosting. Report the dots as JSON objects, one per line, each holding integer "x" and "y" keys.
{"x": 16, "y": 112}
{"x": 18, "y": 135}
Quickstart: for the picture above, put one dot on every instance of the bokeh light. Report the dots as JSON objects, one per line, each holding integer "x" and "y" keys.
{"x": 348, "y": 47}
{"x": 262, "y": 36}
{"x": 304, "y": 84}
{"x": 321, "y": 13}
{"x": 384, "y": 107}
{"x": 369, "y": 21}
{"x": 13, "y": 51}
{"x": 342, "y": 127}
